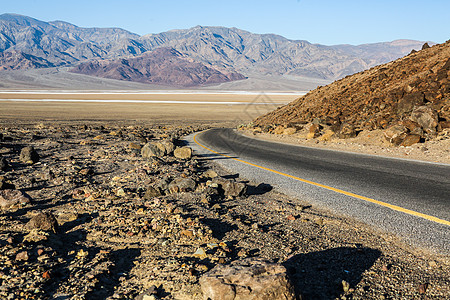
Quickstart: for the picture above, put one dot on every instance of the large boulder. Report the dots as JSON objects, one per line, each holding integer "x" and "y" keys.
{"x": 29, "y": 155}
{"x": 231, "y": 187}
{"x": 183, "y": 153}
{"x": 249, "y": 279}
{"x": 426, "y": 117}
{"x": 395, "y": 134}
{"x": 153, "y": 149}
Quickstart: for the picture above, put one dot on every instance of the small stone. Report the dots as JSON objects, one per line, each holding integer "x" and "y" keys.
{"x": 210, "y": 174}
{"x": 29, "y": 155}
{"x": 22, "y": 256}
{"x": 345, "y": 286}
{"x": 291, "y": 218}
{"x": 423, "y": 288}
{"x": 200, "y": 253}
{"x": 46, "y": 275}
{"x": 151, "y": 193}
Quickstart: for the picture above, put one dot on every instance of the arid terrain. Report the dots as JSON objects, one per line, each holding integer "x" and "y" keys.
{"x": 96, "y": 217}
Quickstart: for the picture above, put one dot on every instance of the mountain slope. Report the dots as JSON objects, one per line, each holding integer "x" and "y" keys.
{"x": 407, "y": 97}
{"x": 65, "y": 44}
{"x": 161, "y": 66}
{"x": 272, "y": 54}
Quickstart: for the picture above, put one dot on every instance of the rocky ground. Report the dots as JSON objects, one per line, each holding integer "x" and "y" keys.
{"x": 123, "y": 211}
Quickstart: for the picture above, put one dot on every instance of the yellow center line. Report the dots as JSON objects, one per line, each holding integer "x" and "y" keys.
{"x": 391, "y": 206}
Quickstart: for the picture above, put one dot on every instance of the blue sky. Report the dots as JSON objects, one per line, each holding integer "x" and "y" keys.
{"x": 319, "y": 21}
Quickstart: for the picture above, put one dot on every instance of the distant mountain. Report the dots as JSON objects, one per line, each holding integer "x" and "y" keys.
{"x": 272, "y": 54}
{"x": 16, "y": 60}
{"x": 161, "y": 66}
{"x": 62, "y": 44}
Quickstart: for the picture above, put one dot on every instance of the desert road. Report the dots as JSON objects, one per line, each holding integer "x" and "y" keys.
{"x": 409, "y": 199}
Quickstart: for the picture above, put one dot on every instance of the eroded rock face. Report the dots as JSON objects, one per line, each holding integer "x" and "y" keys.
{"x": 249, "y": 279}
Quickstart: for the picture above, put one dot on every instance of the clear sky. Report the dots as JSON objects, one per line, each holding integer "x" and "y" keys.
{"x": 326, "y": 22}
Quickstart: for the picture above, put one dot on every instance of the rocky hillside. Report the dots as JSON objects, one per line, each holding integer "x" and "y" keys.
{"x": 17, "y": 60}
{"x": 161, "y": 66}
{"x": 61, "y": 43}
{"x": 408, "y": 98}
{"x": 272, "y": 54}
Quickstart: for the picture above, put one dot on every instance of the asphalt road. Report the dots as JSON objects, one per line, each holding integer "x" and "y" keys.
{"x": 407, "y": 198}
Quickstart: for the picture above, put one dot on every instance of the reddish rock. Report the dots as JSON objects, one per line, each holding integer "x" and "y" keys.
{"x": 410, "y": 140}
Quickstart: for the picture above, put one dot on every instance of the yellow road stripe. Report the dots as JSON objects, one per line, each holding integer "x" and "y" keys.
{"x": 391, "y": 206}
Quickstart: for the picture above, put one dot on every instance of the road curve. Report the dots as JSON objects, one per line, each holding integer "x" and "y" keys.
{"x": 408, "y": 198}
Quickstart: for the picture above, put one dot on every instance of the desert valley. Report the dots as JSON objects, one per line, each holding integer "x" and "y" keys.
{"x": 103, "y": 194}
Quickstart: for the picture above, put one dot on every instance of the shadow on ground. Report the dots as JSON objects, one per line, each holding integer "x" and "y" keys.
{"x": 319, "y": 275}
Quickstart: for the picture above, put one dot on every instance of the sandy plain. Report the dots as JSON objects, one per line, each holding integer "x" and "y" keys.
{"x": 230, "y": 108}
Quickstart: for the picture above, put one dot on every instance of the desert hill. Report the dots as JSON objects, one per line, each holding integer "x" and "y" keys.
{"x": 408, "y": 98}
{"x": 161, "y": 66}
{"x": 60, "y": 44}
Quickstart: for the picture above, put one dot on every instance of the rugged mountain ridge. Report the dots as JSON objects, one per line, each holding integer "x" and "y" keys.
{"x": 408, "y": 98}
{"x": 161, "y": 66}
{"x": 64, "y": 44}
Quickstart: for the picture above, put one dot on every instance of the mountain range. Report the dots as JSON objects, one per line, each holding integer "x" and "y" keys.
{"x": 225, "y": 53}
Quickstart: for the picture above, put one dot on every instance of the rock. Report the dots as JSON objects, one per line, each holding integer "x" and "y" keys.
{"x": 407, "y": 103}
{"x": 168, "y": 146}
{"x": 410, "y": 140}
{"x": 183, "y": 153}
{"x": 395, "y": 134}
{"x": 347, "y": 131}
{"x": 151, "y": 193}
{"x": 326, "y": 136}
{"x": 44, "y": 221}
{"x": 289, "y": 131}
{"x": 210, "y": 174}
{"x": 3, "y": 164}
{"x": 314, "y": 131}
{"x": 425, "y": 46}
{"x": 134, "y": 146}
{"x": 22, "y": 256}
{"x": 279, "y": 129}
{"x": 153, "y": 149}
{"x": 29, "y": 155}
{"x": 182, "y": 185}
{"x": 248, "y": 279}
{"x": 13, "y": 198}
{"x": 231, "y": 187}
{"x": 426, "y": 118}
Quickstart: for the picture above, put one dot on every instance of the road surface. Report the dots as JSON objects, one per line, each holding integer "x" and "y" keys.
{"x": 407, "y": 198}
